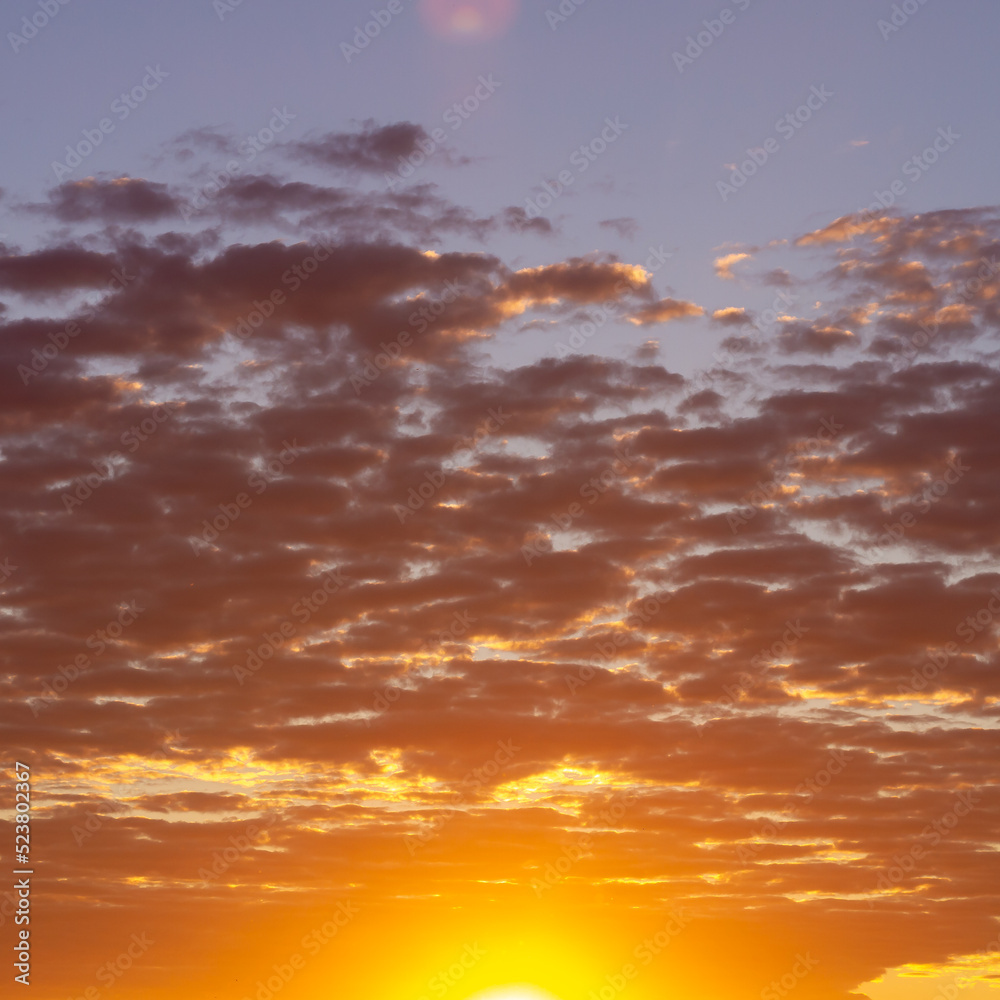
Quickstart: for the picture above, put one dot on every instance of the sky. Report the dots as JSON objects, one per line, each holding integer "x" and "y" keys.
{"x": 499, "y": 500}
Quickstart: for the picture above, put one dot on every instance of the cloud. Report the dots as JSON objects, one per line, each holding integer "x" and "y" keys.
{"x": 54, "y": 270}
{"x": 515, "y": 218}
{"x": 813, "y": 338}
{"x": 120, "y": 199}
{"x": 724, "y": 264}
{"x": 847, "y": 227}
{"x": 626, "y": 228}
{"x": 372, "y": 148}
{"x": 664, "y": 311}
{"x": 693, "y": 593}
{"x": 778, "y": 277}
{"x": 732, "y": 316}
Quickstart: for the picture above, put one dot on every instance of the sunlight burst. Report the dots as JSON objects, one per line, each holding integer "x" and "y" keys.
{"x": 514, "y": 991}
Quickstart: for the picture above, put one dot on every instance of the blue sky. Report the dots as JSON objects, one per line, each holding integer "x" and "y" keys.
{"x": 557, "y": 85}
{"x": 725, "y": 537}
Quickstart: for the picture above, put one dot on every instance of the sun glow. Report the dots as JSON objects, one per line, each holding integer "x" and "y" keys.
{"x": 468, "y": 20}
{"x": 516, "y": 991}
{"x": 498, "y": 951}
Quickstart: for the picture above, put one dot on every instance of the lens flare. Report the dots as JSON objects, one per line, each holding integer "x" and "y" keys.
{"x": 468, "y": 20}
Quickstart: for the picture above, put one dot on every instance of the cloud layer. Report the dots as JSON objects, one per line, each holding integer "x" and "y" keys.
{"x": 286, "y": 548}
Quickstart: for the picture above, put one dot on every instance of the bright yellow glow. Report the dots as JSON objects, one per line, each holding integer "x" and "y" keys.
{"x": 516, "y": 991}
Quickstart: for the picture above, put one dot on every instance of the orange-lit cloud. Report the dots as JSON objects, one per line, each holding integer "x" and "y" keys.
{"x": 446, "y": 671}
{"x": 724, "y": 264}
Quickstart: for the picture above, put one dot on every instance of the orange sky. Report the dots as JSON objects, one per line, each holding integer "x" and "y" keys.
{"x": 395, "y": 670}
